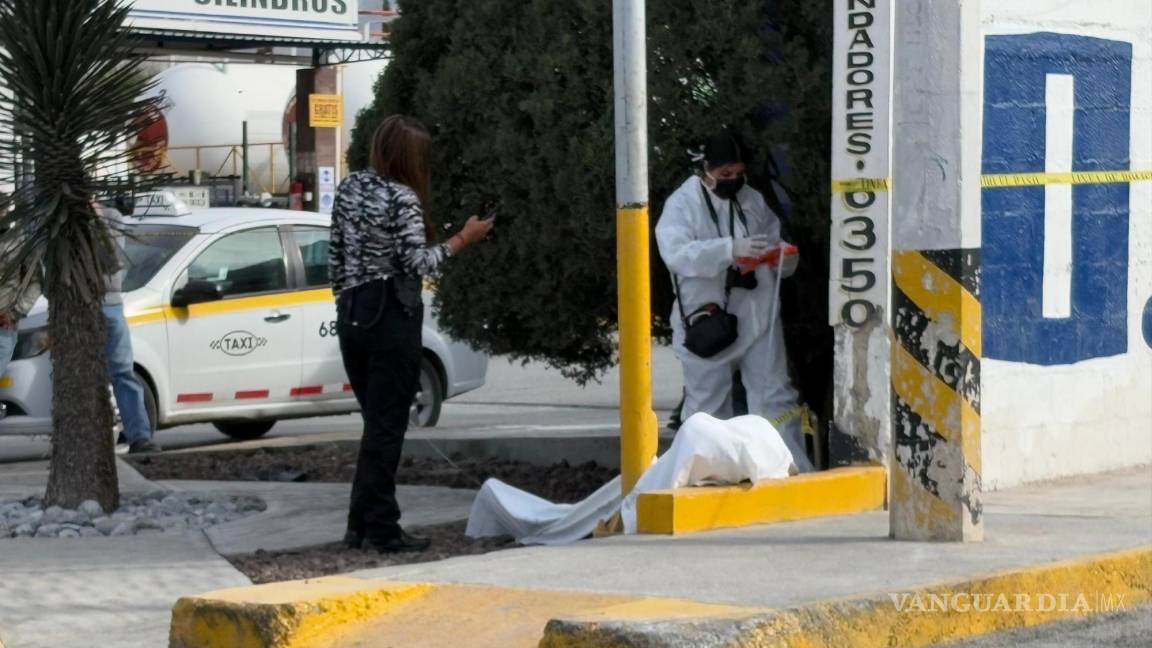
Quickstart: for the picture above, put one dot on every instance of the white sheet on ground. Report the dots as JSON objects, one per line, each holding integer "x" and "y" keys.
{"x": 706, "y": 450}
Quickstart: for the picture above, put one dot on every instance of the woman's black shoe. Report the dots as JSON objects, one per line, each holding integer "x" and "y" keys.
{"x": 353, "y": 539}
{"x": 396, "y": 544}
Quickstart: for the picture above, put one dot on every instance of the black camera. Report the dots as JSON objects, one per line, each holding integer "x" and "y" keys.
{"x": 737, "y": 279}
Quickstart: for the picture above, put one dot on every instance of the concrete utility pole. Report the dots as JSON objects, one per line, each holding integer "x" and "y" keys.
{"x": 935, "y": 271}
{"x": 637, "y": 420}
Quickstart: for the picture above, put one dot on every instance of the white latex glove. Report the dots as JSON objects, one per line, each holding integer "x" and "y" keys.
{"x": 750, "y": 248}
{"x": 788, "y": 264}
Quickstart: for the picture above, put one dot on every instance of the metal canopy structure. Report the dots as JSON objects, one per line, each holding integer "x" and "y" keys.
{"x": 259, "y": 49}
{"x": 288, "y": 33}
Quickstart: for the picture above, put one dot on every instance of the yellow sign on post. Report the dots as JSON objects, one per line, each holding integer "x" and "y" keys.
{"x": 325, "y": 111}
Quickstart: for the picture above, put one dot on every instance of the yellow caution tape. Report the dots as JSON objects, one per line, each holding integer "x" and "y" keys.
{"x": 800, "y": 411}
{"x": 787, "y": 416}
{"x": 807, "y": 422}
{"x": 861, "y": 184}
{"x": 1000, "y": 180}
{"x": 1005, "y": 180}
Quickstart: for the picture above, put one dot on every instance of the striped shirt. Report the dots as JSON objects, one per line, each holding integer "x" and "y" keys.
{"x": 377, "y": 233}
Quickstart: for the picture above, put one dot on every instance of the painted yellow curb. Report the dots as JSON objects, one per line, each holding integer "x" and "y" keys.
{"x": 909, "y": 619}
{"x": 839, "y": 491}
{"x": 342, "y": 612}
{"x": 295, "y": 614}
{"x": 472, "y": 616}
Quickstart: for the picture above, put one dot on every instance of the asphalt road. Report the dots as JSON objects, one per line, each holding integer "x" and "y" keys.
{"x": 515, "y": 396}
{"x": 1129, "y": 629}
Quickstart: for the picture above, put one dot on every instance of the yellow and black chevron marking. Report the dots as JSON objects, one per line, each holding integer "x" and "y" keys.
{"x": 936, "y": 394}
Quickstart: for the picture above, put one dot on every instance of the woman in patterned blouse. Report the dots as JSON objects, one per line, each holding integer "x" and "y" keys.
{"x": 380, "y": 250}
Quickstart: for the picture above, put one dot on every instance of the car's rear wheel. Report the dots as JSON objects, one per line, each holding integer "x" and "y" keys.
{"x": 429, "y": 398}
{"x": 244, "y": 430}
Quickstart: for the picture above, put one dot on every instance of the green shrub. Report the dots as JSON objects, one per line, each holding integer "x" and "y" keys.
{"x": 519, "y": 97}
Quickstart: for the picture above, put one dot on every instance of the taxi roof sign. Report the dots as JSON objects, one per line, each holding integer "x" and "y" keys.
{"x": 159, "y": 204}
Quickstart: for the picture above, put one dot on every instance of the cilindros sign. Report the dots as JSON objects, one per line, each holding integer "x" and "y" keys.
{"x": 303, "y": 11}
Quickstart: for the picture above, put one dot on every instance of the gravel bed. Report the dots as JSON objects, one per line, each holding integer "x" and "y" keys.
{"x": 137, "y": 515}
{"x": 448, "y": 540}
{"x": 559, "y": 482}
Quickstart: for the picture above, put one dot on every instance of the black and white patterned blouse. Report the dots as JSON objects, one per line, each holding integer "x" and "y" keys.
{"x": 378, "y": 232}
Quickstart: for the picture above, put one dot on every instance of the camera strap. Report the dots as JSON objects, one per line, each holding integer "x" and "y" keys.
{"x": 733, "y": 210}
{"x": 680, "y": 302}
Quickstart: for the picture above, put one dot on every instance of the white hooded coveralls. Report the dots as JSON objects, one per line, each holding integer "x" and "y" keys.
{"x": 699, "y": 257}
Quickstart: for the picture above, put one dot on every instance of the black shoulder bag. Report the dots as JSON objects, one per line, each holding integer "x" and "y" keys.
{"x": 710, "y": 329}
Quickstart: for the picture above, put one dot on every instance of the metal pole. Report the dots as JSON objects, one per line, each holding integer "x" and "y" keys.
{"x": 291, "y": 153}
{"x": 244, "y": 159}
{"x": 637, "y": 420}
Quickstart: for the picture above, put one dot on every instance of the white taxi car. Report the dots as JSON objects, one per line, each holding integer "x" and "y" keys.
{"x": 233, "y": 323}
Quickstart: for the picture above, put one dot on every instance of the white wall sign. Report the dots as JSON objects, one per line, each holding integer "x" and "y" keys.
{"x": 298, "y": 12}
{"x": 326, "y": 184}
{"x": 327, "y": 177}
{"x": 861, "y": 168}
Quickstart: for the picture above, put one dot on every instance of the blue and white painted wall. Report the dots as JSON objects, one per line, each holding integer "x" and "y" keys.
{"x": 1015, "y": 136}
{"x": 1066, "y": 267}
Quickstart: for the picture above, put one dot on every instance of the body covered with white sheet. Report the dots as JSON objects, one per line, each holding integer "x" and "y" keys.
{"x": 706, "y": 450}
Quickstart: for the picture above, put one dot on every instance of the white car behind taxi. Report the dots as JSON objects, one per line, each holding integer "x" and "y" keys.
{"x": 233, "y": 323}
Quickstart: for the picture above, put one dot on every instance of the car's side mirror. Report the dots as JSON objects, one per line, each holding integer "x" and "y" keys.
{"x": 197, "y": 292}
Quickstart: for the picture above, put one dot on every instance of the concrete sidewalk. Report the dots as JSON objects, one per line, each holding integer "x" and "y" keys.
{"x": 820, "y": 582}
{"x": 98, "y": 591}
{"x": 30, "y": 478}
{"x": 304, "y": 515}
{"x": 119, "y": 592}
{"x": 64, "y": 592}
{"x": 750, "y": 585}
{"x": 102, "y": 591}
{"x": 789, "y": 564}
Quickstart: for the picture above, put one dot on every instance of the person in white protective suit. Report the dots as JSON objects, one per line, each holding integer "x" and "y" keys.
{"x": 709, "y": 223}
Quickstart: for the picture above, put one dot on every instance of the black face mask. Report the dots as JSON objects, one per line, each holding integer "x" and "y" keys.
{"x": 727, "y": 189}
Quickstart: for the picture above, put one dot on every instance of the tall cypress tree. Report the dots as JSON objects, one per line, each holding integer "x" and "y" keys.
{"x": 518, "y": 96}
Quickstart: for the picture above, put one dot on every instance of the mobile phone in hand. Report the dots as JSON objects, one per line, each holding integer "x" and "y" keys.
{"x": 491, "y": 210}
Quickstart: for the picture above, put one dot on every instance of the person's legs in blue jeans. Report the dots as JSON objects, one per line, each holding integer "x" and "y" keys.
{"x": 129, "y": 392}
{"x": 7, "y": 348}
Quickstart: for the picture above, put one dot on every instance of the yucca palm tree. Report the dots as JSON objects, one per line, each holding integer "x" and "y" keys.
{"x": 74, "y": 93}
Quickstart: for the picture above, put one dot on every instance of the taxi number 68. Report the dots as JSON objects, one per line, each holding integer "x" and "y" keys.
{"x": 328, "y": 329}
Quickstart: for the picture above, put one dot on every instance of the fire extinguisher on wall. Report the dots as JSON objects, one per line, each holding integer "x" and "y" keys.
{"x": 296, "y": 196}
